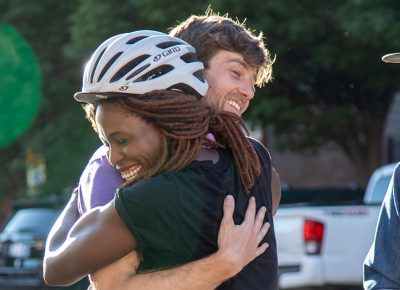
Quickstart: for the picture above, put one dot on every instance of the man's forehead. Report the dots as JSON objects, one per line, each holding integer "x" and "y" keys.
{"x": 239, "y": 59}
{"x": 235, "y": 57}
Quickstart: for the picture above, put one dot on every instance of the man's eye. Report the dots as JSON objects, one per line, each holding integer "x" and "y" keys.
{"x": 121, "y": 141}
{"x": 236, "y": 73}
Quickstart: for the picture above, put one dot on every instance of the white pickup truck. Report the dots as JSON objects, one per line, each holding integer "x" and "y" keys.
{"x": 324, "y": 236}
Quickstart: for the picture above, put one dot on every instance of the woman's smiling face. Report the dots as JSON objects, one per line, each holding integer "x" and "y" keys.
{"x": 133, "y": 144}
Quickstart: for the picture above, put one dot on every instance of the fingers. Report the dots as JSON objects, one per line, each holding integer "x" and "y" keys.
{"x": 260, "y": 217}
{"x": 262, "y": 232}
{"x": 252, "y": 220}
{"x": 229, "y": 206}
{"x": 242, "y": 243}
{"x": 261, "y": 249}
{"x": 251, "y": 211}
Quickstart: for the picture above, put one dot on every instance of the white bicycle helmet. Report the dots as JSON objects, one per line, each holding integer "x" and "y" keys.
{"x": 139, "y": 62}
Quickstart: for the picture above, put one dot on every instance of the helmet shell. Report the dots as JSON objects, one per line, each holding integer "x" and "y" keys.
{"x": 140, "y": 62}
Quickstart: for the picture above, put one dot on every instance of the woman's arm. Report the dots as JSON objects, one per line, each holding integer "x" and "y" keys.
{"x": 97, "y": 239}
{"x": 238, "y": 245}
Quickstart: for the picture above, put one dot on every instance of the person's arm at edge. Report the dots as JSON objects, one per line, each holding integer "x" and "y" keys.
{"x": 276, "y": 190}
{"x": 379, "y": 270}
{"x": 238, "y": 245}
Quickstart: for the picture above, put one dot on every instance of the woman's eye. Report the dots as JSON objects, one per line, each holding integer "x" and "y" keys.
{"x": 121, "y": 141}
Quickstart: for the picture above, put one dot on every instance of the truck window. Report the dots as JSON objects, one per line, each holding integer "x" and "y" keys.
{"x": 379, "y": 191}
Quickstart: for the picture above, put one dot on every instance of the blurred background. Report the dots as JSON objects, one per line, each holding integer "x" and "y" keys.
{"x": 329, "y": 118}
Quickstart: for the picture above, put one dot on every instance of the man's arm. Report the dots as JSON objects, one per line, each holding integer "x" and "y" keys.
{"x": 64, "y": 222}
{"x": 238, "y": 245}
{"x": 276, "y": 190}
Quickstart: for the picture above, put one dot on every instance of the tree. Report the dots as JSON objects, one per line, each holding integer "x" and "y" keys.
{"x": 63, "y": 34}
{"x": 45, "y": 25}
{"x": 330, "y": 83}
{"x": 96, "y": 20}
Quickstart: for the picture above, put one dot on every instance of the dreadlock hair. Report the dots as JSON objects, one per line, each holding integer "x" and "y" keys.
{"x": 184, "y": 121}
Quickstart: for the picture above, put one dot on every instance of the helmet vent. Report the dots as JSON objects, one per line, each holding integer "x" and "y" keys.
{"x": 155, "y": 73}
{"x": 199, "y": 75}
{"x": 189, "y": 57}
{"x": 108, "y": 65}
{"x": 186, "y": 89}
{"x": 168, "y": 44}
{"x": 128, "y": 67}
{"x": 135, "y": 39}
{"x": 95, "y": 65}
{"x": 138, "y": 71}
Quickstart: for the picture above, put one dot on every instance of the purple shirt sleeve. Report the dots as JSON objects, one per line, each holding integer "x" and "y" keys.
{"x": 99, "y": 182}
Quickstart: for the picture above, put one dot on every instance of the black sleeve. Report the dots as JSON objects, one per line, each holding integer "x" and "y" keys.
{"x": 264, "y": 180}
{"x": 149, "y": 210}
{"x": 263, "y": 154}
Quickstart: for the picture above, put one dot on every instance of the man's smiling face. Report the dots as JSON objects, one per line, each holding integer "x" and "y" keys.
{"x": 231, "y": 82}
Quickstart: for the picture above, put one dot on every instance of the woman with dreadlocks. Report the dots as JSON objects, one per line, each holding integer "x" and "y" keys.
{"x": 145, "y": 104}
{"x": 183, "y": 122}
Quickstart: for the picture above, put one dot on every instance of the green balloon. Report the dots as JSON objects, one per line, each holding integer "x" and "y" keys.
{"x": 20, "y": 85}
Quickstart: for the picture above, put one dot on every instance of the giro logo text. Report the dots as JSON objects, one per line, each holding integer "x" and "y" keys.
{"x": 166, "y": 53}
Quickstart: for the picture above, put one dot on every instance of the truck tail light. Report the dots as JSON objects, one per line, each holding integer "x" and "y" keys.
{"x": 313, "y": 235}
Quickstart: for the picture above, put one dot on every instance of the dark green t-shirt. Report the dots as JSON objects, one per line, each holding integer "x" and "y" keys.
{"x": 175, "y": 216}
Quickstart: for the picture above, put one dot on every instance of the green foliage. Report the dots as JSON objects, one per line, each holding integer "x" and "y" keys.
{"x": 44, "y": 24}
{"x": 330, "y": 83}
{"x": 329, "y": 74}
{"x": 96, "y": 20}
{"x": 68, "y": 143}
{"x": 20, "y": 86}
{"x": 63, "y": 34}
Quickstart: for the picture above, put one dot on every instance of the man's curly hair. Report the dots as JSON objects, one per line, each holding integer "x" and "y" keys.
{"x": 211, "y": 32}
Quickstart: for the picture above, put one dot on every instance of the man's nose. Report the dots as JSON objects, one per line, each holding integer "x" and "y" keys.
{"x": 247, "y": 90}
